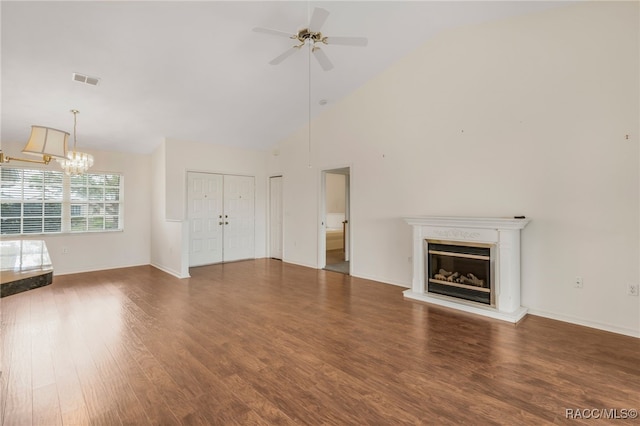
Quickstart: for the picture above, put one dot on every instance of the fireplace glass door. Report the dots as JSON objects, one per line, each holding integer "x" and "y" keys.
{"x": 461, "y": 270}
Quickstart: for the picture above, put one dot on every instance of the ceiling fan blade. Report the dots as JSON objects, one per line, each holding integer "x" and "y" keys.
{"x": 322, "y": 58}
{"x": 347, "y": 41}
{"x": 318, "y": 19}
{"x": 273, "y": 32}
{"x": 285, "y": 55}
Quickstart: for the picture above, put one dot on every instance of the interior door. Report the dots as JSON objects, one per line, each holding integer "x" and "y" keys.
{"x": 204, "y": 213}
{"x": 239, "y": 217}
{"x": 275, "y": 217}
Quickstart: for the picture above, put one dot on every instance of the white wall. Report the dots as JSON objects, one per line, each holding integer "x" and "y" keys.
{"x": 104, "y": 250}
{"x": 166, "y": 236}
{"x": 300, "y": 201}
{"x": 526, "y": 116}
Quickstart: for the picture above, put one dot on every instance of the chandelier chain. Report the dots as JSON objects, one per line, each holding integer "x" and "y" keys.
{"x": 75, "y": 124}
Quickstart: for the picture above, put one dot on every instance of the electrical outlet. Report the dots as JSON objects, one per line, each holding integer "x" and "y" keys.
{"x": 578, "y": 282}
{"x": 410, "y": 259}
{"x": 632, "y": 289}
{"x": 65, "y": 250}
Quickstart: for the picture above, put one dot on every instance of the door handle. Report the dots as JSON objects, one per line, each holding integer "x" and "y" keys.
{"x": 226, "y": 223}
{"x": 219, "y": 223}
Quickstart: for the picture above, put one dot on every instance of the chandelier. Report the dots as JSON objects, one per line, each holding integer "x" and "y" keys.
{"x": 76, "y": 163}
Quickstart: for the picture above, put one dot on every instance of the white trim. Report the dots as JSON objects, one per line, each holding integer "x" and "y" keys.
{"x": 321, "y": 257}
{"x": 306, "y": 265}
{"x": 269, "y": 218}
{"x": 587, "y": 323}
{"x": 66, "y": 203}
{"x": 468, "y": 222}
{"x": 462, "y": 305}
{"x": 96, "y": 269}
{"x": 382, "y": 280}
{"x": 170, "y": 271}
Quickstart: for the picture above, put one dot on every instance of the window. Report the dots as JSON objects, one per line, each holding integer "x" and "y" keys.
{"x": 45, "y": 201}
{"x": 95, "y": 202}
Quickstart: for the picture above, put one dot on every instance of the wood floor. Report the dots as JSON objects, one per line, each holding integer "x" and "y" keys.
{"x": 264, "y": 342}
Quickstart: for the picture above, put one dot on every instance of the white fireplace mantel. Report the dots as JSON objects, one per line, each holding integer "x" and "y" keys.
{"x": 503, "y": 233}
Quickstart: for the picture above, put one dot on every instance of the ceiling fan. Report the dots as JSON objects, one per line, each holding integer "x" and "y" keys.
{"x": 313, "y": 35}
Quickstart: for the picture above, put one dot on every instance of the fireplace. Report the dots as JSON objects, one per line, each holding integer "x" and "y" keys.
{"x": 462, "y": 270}
{"x": 470, "y": 264}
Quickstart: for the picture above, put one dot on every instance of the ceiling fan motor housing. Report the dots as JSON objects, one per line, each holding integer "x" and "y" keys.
{"x": 305, "y": 34}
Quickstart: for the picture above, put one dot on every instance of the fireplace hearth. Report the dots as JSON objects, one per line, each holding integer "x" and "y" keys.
{"x": 470, "y": 264}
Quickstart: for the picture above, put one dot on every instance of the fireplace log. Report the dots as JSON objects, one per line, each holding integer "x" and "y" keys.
{"x": 472, "y": 280}
{"x": 453, "y": 277}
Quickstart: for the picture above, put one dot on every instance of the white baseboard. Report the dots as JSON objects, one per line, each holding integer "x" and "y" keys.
{"x": 382, "y": 280}
{"x": 95, "y": 269}
{"x": 170, "y": 271}
{"x": 587, "y": 323}
{"x": 307, "y": 265}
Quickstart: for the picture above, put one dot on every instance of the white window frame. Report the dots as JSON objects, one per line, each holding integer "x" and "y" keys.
{"x": 106, "y": 209}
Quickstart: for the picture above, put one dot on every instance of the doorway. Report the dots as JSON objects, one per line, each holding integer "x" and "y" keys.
{"x": 336, "y": 225}
{"x": 221, "y": 218}
{"x": 275, "y": 217}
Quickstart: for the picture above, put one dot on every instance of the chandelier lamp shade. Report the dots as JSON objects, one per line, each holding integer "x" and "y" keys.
{"x": 44, "y": 142}
{"x": 76, "y": 162}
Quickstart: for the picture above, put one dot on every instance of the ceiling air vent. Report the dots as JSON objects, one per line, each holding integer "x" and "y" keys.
{"x": 93, "y": 81}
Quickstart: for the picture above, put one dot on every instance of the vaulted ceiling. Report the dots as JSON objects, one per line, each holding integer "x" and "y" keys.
{"x": 195, "y": 70}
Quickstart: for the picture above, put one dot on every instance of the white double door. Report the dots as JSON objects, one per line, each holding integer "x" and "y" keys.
{"x": 221, "y": 217}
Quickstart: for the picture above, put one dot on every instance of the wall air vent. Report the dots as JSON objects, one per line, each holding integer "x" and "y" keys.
{"x": 93, "y": 81}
